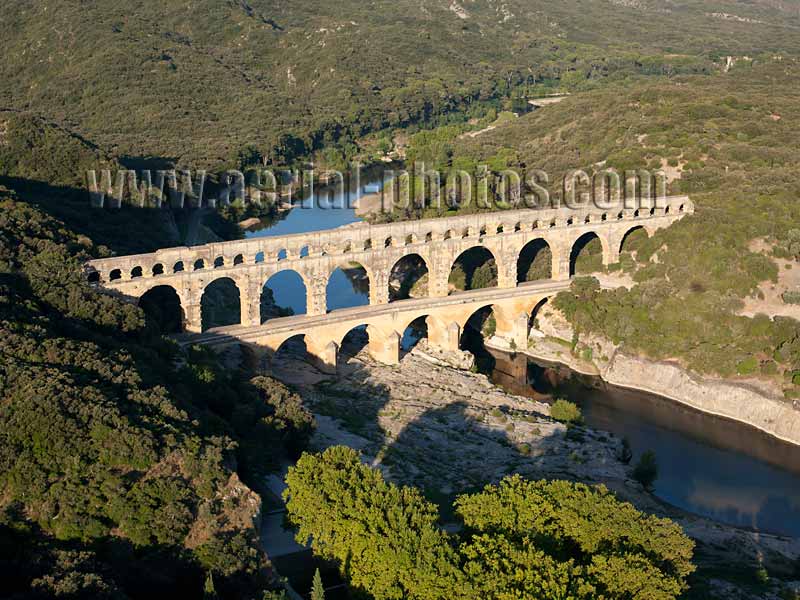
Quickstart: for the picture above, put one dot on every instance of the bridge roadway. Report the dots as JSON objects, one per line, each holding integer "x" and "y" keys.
{"x": 445, "y": 317}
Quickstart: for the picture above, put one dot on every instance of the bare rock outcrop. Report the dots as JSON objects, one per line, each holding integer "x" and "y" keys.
{"x": 747, "y": 402}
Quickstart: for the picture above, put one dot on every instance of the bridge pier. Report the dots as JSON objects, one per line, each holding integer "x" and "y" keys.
{"x": 378, "y": 294}
{"x": 324, "y": 356}
{"x": 384, "y": 348}
{"x": 193, "y": 315}
{"x": 611, "y": 255}
{"x": 512, "y": 329}
{"x": 519, "y": 332}
{"x": 438, "y": 274}
{"x": 316, "y": 300}
{"x": 250, "y": 303}
{"x": 444, "y": 336}
{"x": 561, "y": 260}
{"x": 507, "y": 271}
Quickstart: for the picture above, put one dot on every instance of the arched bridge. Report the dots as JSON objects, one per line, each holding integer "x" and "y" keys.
{"x": 436, "y": 243}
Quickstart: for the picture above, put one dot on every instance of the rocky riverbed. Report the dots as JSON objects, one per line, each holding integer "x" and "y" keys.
{"x": 432, "y": 423}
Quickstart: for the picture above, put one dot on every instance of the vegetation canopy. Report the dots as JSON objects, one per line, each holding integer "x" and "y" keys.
{"x": 519, "y": 539}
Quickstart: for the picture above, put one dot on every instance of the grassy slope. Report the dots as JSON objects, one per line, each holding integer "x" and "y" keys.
{"x": 155, "y": 78}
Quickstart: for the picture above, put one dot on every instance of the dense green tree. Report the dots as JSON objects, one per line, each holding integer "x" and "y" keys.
{"x": 521, "y": 539}
{"x": 385, "y": 537}
{"x": 541, "y": 266}
{"x": 458, "y": 278}
{"x": 583, "y": 541}
{"x": 484, "y": 276}
{"x": 566, "y": 411}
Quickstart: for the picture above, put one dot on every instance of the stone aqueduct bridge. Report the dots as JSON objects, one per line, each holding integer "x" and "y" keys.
{"x": 377, "y": 248}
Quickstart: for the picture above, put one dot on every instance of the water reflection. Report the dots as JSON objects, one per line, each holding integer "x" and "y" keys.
{"x": 708, "y": 465}
{"x": 284, "y": 294}
{"x": 417, "y": 330}
{"x": 325, "y": 208}
{"x": 348, "y": 287}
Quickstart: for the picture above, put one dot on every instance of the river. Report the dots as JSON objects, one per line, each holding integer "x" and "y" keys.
{"x": 707, "y": 465}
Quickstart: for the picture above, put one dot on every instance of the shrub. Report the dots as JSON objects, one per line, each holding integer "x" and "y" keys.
{"x": 484, "y": 276}
{"x": 791, "y": 297}
{"x": 762, "y": 576}
{"x": 575, "y": 434}
{"x": 565, "y": 411}
{"x": 769, "y": 367}
{"x": 748, "y": 366}
{"x": 646, "y": 470}
{"x": 458, "y": 278}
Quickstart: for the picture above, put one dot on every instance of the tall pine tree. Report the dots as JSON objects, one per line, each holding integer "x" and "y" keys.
{"x": 317, "y": 590}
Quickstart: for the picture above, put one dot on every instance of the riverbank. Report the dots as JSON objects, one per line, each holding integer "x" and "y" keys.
{"x": 753, "y": 403}
{"x": 369, "y": 204}
{"x": 432, "y": 423}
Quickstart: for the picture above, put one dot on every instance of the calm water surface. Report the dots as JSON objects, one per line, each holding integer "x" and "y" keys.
{"x": 707, "y": 465}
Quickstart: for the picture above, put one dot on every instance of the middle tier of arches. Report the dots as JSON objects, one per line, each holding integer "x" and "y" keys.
{"x": 260, "y": 289}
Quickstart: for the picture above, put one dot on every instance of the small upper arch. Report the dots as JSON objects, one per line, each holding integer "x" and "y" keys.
{"x": 633, "y": 236}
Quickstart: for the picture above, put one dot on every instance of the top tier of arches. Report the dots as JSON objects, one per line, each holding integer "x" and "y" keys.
{"x": 393, "y": 238}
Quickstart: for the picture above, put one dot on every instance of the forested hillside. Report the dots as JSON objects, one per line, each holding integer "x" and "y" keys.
{"x": 46, "y": 164}
{"x": 126, "y": 463}
{"x": 212, "y": 80}
{"x": 120, "y": 458}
